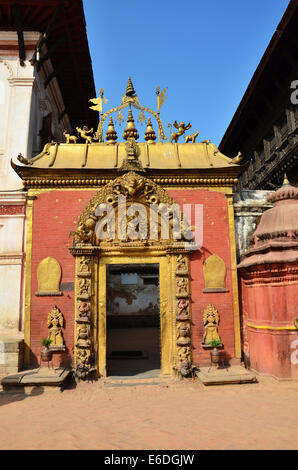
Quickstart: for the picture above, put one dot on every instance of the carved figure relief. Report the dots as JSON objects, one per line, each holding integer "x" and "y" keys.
{"x": 211, "y": 321}
{"x": 84, "y": 288}
{"x": 55, "y": 325}
{"x": 182, "y": 287}
{"x": 182, "y": 267}
{"x": 84, "y": 347}
{"x": 84, "y": 312}
{"x": 183, "y": 334}
{"x": 136, "y": 189}
{"x": 183, "y": 326}
{"x": 183, "y": 310}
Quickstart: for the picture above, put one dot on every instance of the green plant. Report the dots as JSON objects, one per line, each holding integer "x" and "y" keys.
{"x": 215, "y": 343}
{"x": 46, "y": 342}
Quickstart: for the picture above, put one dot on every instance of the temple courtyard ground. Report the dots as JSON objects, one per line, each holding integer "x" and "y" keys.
{"x": 171, "y": 415}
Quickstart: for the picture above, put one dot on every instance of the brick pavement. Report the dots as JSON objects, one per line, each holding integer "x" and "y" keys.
{"x": 179, "y": 415}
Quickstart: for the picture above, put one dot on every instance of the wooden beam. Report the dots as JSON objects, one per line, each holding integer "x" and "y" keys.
{"x": 17, "y": 14}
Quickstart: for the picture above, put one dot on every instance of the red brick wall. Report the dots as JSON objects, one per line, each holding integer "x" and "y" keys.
{"x": 55, "y": 215}
{"x": 216, "y": 240}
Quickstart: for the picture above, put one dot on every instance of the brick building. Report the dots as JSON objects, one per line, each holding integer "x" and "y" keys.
{"x": 152, "y": 302}
{"x": 265, "y": 125}
{"x": 44, "y": 61}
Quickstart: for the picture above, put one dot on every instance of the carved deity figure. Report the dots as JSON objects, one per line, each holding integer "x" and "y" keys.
{"x": 211, "y": 321}
{"x": 84, "y": 287}
{"x": 181, "y": 263}
{"x": 55, "y": 324}
{"x": 183, "y": 335}
{"x": 84, "y": 311}
{"x": 182, "y": 285}
{"x": 183, "y": 313}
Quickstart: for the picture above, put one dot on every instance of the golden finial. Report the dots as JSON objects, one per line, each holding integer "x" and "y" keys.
{"x": 286, "y": 182}
{"x": 150, "y": 136}
{"x": 130, "y": 130}
{"x": 130, "y": 89}
{"x": 111, "y": 135}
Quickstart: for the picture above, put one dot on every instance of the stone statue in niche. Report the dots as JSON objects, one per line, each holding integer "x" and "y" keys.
{"x": 211, "y": 321}
{"x": 55, "y": 324}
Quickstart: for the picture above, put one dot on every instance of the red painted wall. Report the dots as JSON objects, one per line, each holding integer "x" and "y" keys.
{"x": 55, "y": 214}
{"x": 216, "y": 241}
{"x": 273, "y": 304}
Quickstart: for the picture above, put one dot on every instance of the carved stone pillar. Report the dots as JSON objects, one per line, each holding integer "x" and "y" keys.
{"x": 84, "y": 347}
{"x": 183, "y": 315}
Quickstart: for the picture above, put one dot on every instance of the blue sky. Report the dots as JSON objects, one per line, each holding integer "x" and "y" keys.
{"x": 204, "y": 51}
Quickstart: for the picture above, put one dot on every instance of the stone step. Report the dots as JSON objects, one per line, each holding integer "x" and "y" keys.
{"x": 41, "y": 377}
{"x": 225, "y": 375}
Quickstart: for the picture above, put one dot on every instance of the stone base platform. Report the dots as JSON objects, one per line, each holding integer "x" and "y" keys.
{"x": 43, "y": 378}
{"x": 11, "y": 352}
{"x": 225, "y": 375}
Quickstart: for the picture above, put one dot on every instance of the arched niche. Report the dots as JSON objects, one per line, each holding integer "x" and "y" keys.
{"x": 49, "y": 274}
{"x": 215, "y": 271}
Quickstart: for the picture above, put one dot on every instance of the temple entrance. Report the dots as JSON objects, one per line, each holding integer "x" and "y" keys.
{"x": 133, "y": 320}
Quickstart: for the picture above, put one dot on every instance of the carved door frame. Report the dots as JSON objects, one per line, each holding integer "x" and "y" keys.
{"x": 175, "y": 307}
{"x": 92, "y": 256}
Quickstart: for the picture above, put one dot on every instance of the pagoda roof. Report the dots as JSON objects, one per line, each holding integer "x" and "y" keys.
{"x": 102, "y": 156}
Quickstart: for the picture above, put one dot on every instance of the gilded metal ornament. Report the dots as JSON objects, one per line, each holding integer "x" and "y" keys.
{"x": 129, "y": 99}
{"x": 160, "y": 97}
{"x": 181, "y": 130}
{"x": 84, "y": 133}
{"x": 191, "y": 138}
{"x": 211, "y": 321}
{"x": 55, "y": 325}
{"x": 70, "y": 139}
{"x": 98, "y": 101}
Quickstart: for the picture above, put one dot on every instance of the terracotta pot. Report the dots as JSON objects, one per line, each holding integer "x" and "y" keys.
{"x": 215, "y": 355}
{"x": 46, "y": 355}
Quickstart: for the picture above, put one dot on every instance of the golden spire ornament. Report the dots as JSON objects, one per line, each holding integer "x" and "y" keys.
{"x": 130, "y": 130}
{"x": 150, "y": 136}
{"x": 286, "y": 181}
{"x": 111, "y": 135}
{"x": 130, "y": 89}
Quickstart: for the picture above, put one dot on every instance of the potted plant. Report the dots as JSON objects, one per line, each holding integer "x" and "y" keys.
{"x": 46, "y": 354}
{"x": 215, "y": 354}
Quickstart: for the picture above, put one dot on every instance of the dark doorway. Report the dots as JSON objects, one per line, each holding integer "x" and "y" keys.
{"x": 133, "y": 320}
